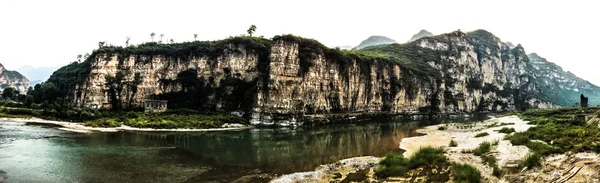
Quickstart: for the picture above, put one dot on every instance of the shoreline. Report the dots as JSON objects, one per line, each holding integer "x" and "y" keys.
{"x": 462, "y": 133}
{"x": 80, "y": 128}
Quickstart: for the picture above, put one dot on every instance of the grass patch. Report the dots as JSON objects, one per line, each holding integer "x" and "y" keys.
{"x": 488, "y": 160}
{"x": 532, "y": 160}
{"x": 504, "y": 124}
{"x": 496, "y": 171}
{"x": 506, "y": 130}
{"x": 453, "y": 143}
{"x": 465, "y": 173}
{"x": 482, "y": 134}
{"x": 397, "y": 165}
{"x": 103, "y": 123}
{"x": 483, "y": 148}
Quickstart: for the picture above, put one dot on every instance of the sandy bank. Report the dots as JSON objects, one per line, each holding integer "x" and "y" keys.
{"x": 341, "y": 170}
{"x": 80, "y": 128}
{"x": 464, "y": 135}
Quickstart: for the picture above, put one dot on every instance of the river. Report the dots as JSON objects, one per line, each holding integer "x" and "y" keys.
{"x": 42, "y": 153}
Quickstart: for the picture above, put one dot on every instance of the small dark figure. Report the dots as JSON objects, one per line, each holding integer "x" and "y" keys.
{"x": 584, "y": 101}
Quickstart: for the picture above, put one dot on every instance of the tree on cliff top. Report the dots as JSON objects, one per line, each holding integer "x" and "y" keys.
{"x": 251, "y": 30}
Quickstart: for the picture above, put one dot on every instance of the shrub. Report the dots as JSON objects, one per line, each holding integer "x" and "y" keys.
{"x": 383, "y": 171}
{"x": 518, "y": 139}
{"x": 506, "y": 130}
{"x": 465, "y": 173}
{"x": 103, "y": 123}
{"x": 453, "y": 143}
{"x": 482, "y": 134}
{"x": 397, "y": 165}
{"x": 483, "y": 148}
{"x": 393, "y": 160}
{"x": 532, "y": 160}
{"x": 488, "y": 160}
{"x": 20, "y": 111}
{"x": 442, "y": 128}
{"x": 427, "y": 156}
{"x": 497, "y": 172}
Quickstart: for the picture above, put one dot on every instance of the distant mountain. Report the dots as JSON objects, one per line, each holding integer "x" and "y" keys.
{"x": 33, "y": 83}
{"x": 509, "y": 44}
{"x": 420, "y": 34}
{"x": 561, "y": 87}
{"x": 13, "y": 79}
{"x": 36, "y": 74}
{"x": 375, "y": 40}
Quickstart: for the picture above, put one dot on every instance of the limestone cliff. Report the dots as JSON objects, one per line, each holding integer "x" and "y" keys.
{"x": 13, "y": 79}
{"x": 288, "y": 79}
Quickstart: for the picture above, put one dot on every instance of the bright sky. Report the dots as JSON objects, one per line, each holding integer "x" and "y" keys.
{"x": 52, "y": 33}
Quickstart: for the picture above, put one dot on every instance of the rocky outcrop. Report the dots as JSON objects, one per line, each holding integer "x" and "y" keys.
{"x": 374, "y": 41}
{"x": 421, "y": 34}
{"x": 290, "y": 80}
{"x": 13, "y": 79}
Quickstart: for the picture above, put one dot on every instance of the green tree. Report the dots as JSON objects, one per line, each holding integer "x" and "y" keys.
{"x": 8, "y": 93}
{"x": 21, "y": 98}
{"x": 28, "y": 100}
{"x": 49, "y": 91}
{"x": 251, "y": 30}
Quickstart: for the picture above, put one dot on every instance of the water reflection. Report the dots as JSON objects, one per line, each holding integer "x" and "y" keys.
{"x": 41, "y": 154}
{"x": 289, "y": 150}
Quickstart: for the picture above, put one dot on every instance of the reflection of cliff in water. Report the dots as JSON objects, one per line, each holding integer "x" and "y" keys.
{"x": 288, "y": 150}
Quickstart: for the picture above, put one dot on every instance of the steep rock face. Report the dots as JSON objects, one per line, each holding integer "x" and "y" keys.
{"x": 215, "y": 81}
{"x": 561, "y": 87}
{"x": 287, "y": 80}
{"x": 375, "y": 40}
{"x": 421, "y": 34}
{"x": 13, "y": 79}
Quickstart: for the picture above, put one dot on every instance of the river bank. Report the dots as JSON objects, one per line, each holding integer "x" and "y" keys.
{"x": 81, "y": 128}
{"x": 459, "y": 141}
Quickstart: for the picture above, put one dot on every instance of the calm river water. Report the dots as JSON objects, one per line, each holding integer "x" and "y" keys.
{"x": 37, "y": 153}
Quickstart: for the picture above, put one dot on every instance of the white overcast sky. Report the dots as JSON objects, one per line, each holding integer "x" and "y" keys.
{"x": 53, "y": 32}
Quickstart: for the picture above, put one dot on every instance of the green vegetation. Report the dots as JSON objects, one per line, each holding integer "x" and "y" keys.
{"x": 442, "y": 128}
{"x": 496, "y": 171}
{"x": 397, "y": 165}
{"x": 506, "y": 130}
{"x": 532, "y": 160}
{"x": 453, "y": 143}
{"x": 504, "y": 124}
{"x": 465, "y": 173}
{"x": 557, "y": 131}
{"x": 482, "y": 134}
{"x": 483, "y": 148}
